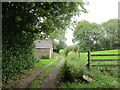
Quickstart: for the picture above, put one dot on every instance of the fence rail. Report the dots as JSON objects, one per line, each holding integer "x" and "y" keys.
{"x": 106, "y": 55}
{"x": 105, "y": 59}
{"x": 107, "y": 65}
{"x": 91, "y": 60}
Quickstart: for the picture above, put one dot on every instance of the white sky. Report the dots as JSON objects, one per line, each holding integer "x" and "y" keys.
{"x": 98, "y": 11}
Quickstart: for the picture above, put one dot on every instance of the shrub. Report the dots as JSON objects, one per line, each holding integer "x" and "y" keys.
{"x": 17, "y": 55}
{"x": 45, "y": 57}
{"x": 56, "y": 50}
{"x": 71, "y": 48}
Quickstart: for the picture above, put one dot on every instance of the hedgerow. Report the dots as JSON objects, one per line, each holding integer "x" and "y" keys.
{"x": 17, "y": 55}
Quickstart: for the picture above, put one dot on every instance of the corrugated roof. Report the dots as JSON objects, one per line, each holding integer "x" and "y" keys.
{"x": 43, "y": 43}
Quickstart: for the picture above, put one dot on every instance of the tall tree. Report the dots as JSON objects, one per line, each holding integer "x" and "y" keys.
{"x": 111, "y": 39}
{"x": 86, "y": 34}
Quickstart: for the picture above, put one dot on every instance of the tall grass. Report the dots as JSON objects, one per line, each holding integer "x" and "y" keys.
{"x": 74, "y": 67}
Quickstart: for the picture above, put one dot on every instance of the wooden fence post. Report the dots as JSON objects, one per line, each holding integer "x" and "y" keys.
{"x": 79, "y": 53}
{"x": 89, "y": 59}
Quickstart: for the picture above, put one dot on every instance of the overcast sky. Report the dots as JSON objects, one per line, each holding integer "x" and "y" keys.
{"x": 98, "y": 11}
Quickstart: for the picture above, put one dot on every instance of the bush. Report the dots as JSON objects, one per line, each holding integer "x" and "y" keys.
{"x": 56, "y": 50}
{"x": 37, "y": 60}
{"x": 45, "y": 57}
{"x": 71, "y": 48}
{"x": 17, "y": 55}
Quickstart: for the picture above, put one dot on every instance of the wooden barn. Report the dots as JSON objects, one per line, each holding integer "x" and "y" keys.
{"x": 43, "y": 48}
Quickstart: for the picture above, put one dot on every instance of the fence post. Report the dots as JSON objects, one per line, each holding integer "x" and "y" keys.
{"x": 89, "y": 59}
{"x": 79, "y": 54}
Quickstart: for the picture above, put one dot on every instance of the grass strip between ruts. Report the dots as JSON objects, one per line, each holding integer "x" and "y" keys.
{"x": 36, "y": 83}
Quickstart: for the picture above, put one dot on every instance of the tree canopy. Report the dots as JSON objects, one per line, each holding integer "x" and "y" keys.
{"x": 86, "y": 33}
{"x": 92, "y": 36}
{"x": 38, "y": 17}
{"x": 110, "y": 38}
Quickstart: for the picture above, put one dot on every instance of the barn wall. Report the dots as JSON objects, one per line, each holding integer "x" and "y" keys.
{"x": 51, "y": 52}
{"x": 42, "y": 52}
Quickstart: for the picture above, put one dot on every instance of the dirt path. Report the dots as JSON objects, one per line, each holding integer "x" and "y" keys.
{"x": 24, "y": 83}
{"x": 51, "y": 79}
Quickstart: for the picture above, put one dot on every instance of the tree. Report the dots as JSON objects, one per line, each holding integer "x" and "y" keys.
{"x": 111, "y": 39}
{"x": 62, "y": 45}
{"x": 60, "y": 38}
{"x": 71, "y": 48}
{"x": 24, "y": 22}
{"x": 58, "y": 45}
{"x": 86, "y": 33}
{"x": 38, "y": 17}
{"x": 97, "y": 37}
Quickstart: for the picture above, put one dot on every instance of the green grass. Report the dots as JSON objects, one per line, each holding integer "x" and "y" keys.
{"x": 36, "y": 83}
{"x": 24, "y": 73}
{"x": 56, "y": 54}
{"x": 60, "y": 53}
{"x": 107, "y": 52}
{"x": 105, "y": 82}
{"x": 106, "y": 57}
{"x": 85, "y": 58}
{"x": 72, "y": 71}
{"x": 41, "y": 63}
{"x": 61, "y": 50}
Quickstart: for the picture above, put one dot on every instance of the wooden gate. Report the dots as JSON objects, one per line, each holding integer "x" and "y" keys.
{"x": 91, "y": 60}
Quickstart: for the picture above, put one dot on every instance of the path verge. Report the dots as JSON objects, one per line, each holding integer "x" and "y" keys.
{"x": 24, "y": 83}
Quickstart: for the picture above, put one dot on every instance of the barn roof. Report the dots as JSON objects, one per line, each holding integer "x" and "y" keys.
{"x": 43, "y": 43}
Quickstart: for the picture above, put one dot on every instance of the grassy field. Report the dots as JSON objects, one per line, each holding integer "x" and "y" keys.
{"x": 74, "y": 68}
{"x": 106, "y": 52}
{"x": 106, "y": 58}
{"x": 84, "y": 57}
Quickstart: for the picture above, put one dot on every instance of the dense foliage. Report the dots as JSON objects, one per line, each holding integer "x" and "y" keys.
{"x": 94, "y": 37}
{"x": 58, "y": 45}
{"x": 73, "y": 48}
{"x": 111, "y": 39}
{"x": 24, "y": 22}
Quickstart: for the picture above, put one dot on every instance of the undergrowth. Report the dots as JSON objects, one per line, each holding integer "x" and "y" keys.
{"x": 71, "y": 74}
{"x": 24, "y": 73}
